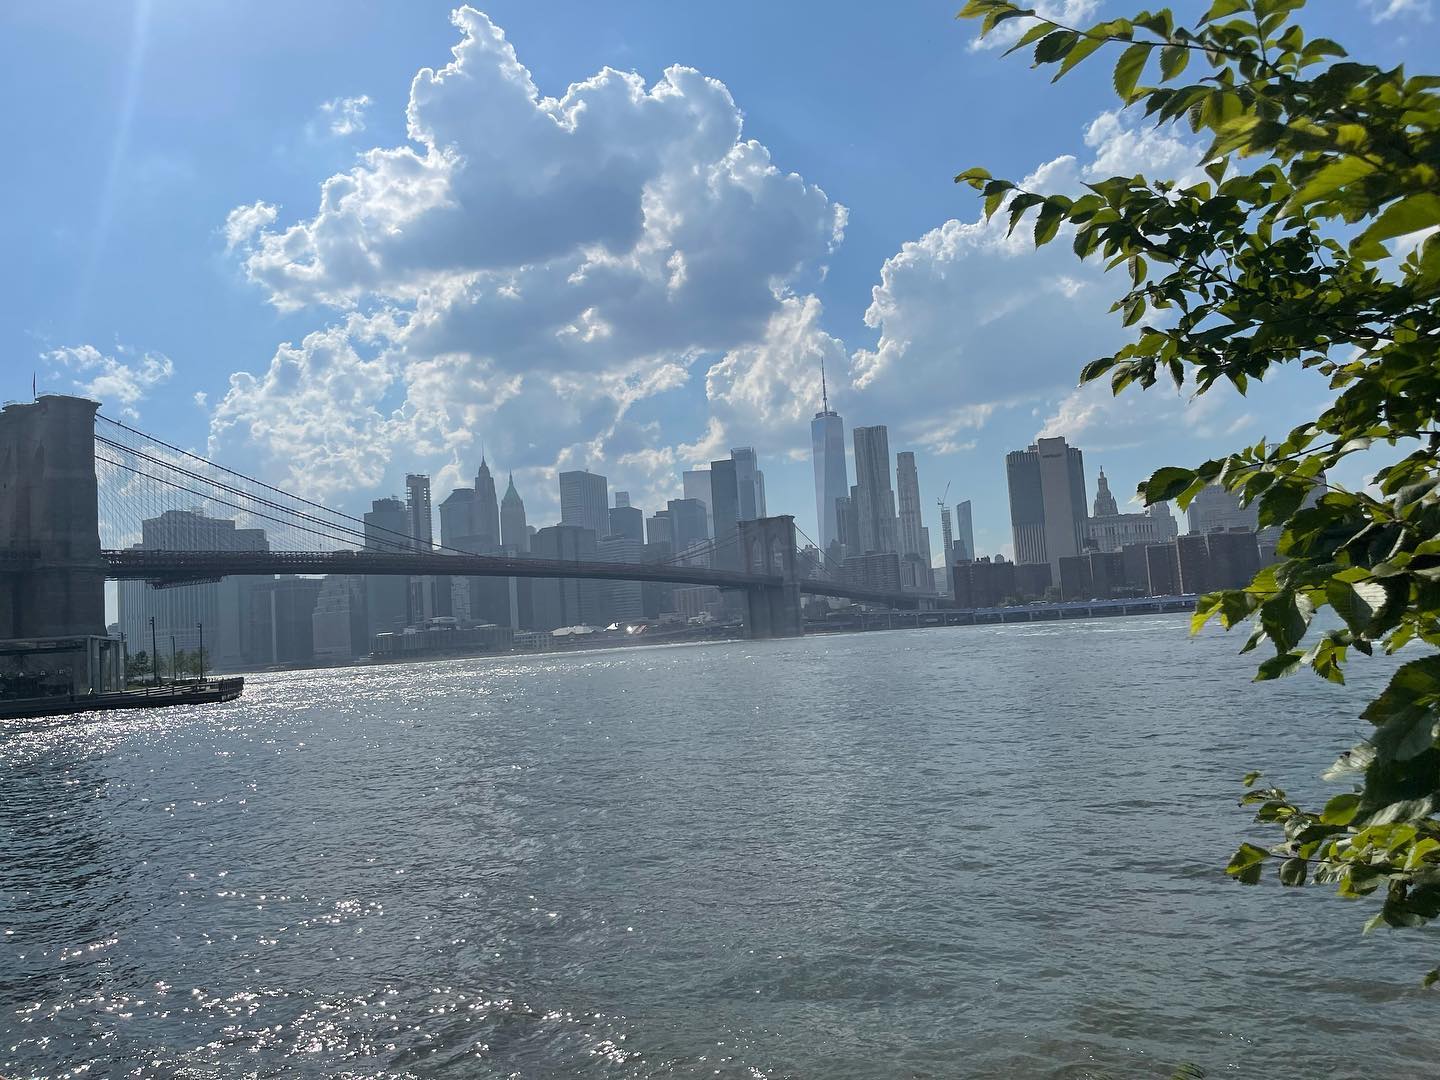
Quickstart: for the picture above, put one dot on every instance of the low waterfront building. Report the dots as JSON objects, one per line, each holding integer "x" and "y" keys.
{"x": 61, "y": 666}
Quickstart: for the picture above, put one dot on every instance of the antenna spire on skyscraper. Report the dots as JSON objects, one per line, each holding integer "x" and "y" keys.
{"x": 824, "y": 393}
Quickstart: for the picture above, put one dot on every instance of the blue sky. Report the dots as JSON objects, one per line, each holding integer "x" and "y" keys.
{"x": 634, "y": 276}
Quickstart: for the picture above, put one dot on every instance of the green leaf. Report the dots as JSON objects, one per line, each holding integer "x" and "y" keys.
{"x": 1249, "y": 778}
{"x": 1277, "y": 667}
{"x": 1359, "y": 603}
{"x": 1292, "y": 872}
{"x": 1083, "y": 48}
{"x": 1330, "y": 179}
{"x": 1032, "y": 35}
{"x": 1173, "y": 59}
{"x": 1128, "y": 70}
{"x": 1047, "y": 222}
{"x": 1224, "y": 8}
{"x": 1341, "y": 809}
{"x": 1164, "y": 484}
{"x": 1246, "y": 863}
{"x": 1021, "y": 203}
{"x": 1054, "y": 45}
{"x": 1406, "y": 216}
{"x": 1431, "y": 978}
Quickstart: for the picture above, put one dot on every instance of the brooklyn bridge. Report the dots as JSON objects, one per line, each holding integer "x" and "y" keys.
{"x": 75, "y": 486}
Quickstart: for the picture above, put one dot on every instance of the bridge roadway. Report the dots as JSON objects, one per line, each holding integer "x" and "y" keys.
{"x": 169, "y": 568}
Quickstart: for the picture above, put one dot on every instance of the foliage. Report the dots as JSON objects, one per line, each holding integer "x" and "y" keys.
{"x": 1306, "y": 245}
{"x": 137, "y": 666}
{"x": 190, "y": 663}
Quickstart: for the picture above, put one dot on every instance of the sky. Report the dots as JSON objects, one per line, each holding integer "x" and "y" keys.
{"x": 332, "y": 243}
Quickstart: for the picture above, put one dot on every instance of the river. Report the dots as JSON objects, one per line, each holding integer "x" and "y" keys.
{"x": 967, "y": 852}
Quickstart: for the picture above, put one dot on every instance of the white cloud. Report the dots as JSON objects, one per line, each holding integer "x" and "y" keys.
{"x": 1383, "y": 10}
{"x": 969, "y": 314}
{"x": 1067, "y": 12}
{"x": 528, "y": 269}
{"x": 122, "y": 379}
{"x": 775, "y": 382}
{"x": 244, "y": 222}
{"x": 346, "y": 115}
{"x": 1126, "y": 148}
{"x": 316, "y": 409}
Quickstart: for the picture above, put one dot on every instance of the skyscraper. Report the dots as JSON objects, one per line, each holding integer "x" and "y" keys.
{"x": 457, "y": 519}
{"x": 914, "y": 537}
{"x": 749, "y": 484}
{"x": 585, "y": 501}
{"x": 1215, "y": 508}
{"x": 947, "y": 537}
{"x": 697, "y": 486}
{"x": 487, "y": 510}
{"x": 420, "y": 513}
{"x": 847, "y": 518}
{"x": 513, "y": 533}
{"x": 627, "y": 521}
{"x": 832, "y": 478}
{"x": 417, "y": 505}
{"x": 1105, "y": 505}
{"x": 1047, "y": 502}
{"x": 621, "y": 601}
{"x": 687, "y": 524}
{"x": 875, "y": 499}
{"x": 964, "y": 532}
{"x": 563, "y": 601}
{"x": 726, "y": 511}
{"x": 387, "y": 528}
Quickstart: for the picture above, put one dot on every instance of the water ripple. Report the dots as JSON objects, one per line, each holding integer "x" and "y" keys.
{"x": 980, "y": 853}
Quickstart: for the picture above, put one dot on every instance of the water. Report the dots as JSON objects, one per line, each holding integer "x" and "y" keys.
{"x": 975, "y": 852}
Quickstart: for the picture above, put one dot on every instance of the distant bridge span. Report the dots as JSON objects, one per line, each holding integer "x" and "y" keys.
{"x": 169, "y": 568}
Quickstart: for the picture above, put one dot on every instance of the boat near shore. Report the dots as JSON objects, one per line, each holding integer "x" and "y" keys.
{"x": 191, "y": 692}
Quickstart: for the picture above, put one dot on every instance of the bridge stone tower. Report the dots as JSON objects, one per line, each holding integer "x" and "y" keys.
{"x": 52, "y": 579}
{"x": 767, "y": 546}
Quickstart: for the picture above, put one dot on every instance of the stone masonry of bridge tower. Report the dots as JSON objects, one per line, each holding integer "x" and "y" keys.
{"x": 49, "y": 520}
{"x": 767, "y": 546}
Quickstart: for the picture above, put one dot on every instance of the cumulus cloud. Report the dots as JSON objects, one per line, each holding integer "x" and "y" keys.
{"x": 969, "y": 314}
{"x": 345, "y": 115}
{"x": 775, "y": 382}
{"x": 244, "y": 222}
{"x": 317, "y": 407}
{"x": 527, "y": 268}
{"x": 123, "y": 377}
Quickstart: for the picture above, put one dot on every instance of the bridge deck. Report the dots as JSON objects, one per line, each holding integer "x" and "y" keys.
{"x": 179, "y": 567}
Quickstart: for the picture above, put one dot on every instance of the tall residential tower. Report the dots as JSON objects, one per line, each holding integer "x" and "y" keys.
{"x": 914, "y": 537}
{"x": 875, "y": 499}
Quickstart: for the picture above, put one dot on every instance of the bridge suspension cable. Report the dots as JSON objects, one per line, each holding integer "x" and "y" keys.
{"x": 298, "y": 513}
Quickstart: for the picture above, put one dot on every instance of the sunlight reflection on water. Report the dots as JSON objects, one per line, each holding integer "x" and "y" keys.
{"x": 987, "y": 852}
